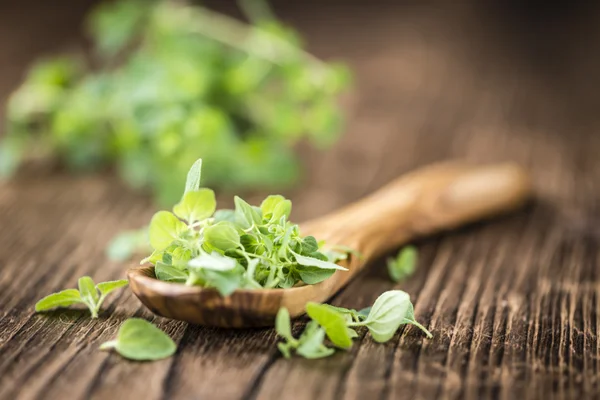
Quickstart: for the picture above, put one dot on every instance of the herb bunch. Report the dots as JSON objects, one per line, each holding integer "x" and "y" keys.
{"x": 390, "y": 311}
{"x": 167, "y": 82}
{"x": 248, "y": 247}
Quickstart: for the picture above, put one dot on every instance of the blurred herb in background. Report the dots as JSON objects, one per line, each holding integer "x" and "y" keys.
{"x": 166, "y": 83}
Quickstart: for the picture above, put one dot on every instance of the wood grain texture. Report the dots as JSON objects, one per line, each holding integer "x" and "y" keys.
{"x": 512, "y": 303}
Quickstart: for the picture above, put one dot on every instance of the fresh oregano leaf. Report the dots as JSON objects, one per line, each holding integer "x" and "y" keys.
{"x": 196, "y": 205}
{"x": 224, "y": 215}
{"x": 311, "y": 343}
{"x": 213, "y": 261}
{"x": 313, "y": 275}
{"x": 392, "y": 309}
{"x": 332, "y": 322}
{"x": 192, "y": 183}
{"x": 404, "y": 264}
{"x": 138, "y": 339}
{"x": 222, "y": 236}
{"x": 268, "y": 205}
{"x": 63, "y": 298}
{"x": 164, "y": 229}
{"x": 168, "y": 273}
{"x": 315, "y": 262}
{"x": 246, "y": 215}
{"x": 89, "y": 294}
{"x": 106, "y": 287}
{"x": 283, "y": 323}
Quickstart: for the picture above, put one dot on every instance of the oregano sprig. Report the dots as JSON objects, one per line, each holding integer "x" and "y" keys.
{"x": 391, "y": 310}
{"x": 89, "y": 293}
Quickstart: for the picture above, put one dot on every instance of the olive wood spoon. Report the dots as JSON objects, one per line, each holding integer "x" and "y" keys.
{"x": 430, "y": 199}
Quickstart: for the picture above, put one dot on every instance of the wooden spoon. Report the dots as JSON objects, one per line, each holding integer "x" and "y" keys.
{"x": 438, "y": 197}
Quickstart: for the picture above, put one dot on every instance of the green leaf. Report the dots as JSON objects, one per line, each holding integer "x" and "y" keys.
{"x": 246, "y": 215}
{"x": 404, "y": 264}
{"x": 364, "y": 313}
{"x": 274, "y": 207}
{"x": 387, "y": 314}
{"x": 87, "y": 290}
{"x": 128, "y": 243}
{"x": 64, "y": 298}
{"x": 332, "y": 322}
{"x": 222, "y": 236}
{"x": 309, "y": 245}
{"x": 313, "y": 275}
{"x": 106, "y": 287}
{"x": 226, "y": 282}
{"x": 224, "y": 215}
{"x": 196, "y": 206}
{"x": 192, "y": 183}
{"x": 168, "y": 273}
{"x": 311, "y": 344}
{"x": 164, "y": 229}
{"x": 140, "y": 340}
{"x": 283, "y": 324}
{"x": 314, "y": 262}
{"x": 213, "y": 261}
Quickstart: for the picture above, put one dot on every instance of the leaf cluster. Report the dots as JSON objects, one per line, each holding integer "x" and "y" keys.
{"x": 248, "y": 247}
{"x": 89, "y": 293}
{"x": 390, "y": 311}
{"x": 168, "y": 82}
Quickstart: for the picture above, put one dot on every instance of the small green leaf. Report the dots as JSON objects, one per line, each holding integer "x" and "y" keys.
{"x": 64, "y": 298}
{"x": 313, "y": 275}
{"x": 196, "y": 206}
{"x": 283, "y": 324}
{"x": 87, "y": 290}
{"x": 387, "y": 314}
{"x": 168, "y": 273}
{"x": 213, "y": 261}
{"x": 246, "y": 215}
{"x": 126, "y": 244}
{"x": 222, "y": 236}
{"x": 192, "y": 182}
{"x": 274, "y": 207}
{"x": 164, "y": 229}
{"x": 224, "y": 215}
{"x": 332, "y": 322}
{"x": 106, "y": 287}
{"x": 404, "y": 264}
{"x": 140, "y": 340}
{"x": 309, "y": 245}
{"x": 226, "y": 282}
{"x": 269, "y": 204}
{"x": 314, "y": 262}
{"x": 311, "y": 345}
{"x": 364, "y": 313}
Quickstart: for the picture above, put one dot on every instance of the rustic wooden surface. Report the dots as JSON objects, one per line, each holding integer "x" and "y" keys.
{"x": 512, "y": 303}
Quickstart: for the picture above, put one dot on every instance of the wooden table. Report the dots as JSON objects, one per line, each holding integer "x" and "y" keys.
{"x": 512, "y": 302}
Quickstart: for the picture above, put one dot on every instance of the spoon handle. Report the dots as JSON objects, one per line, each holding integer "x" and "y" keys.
{"x": 438, "y": 197}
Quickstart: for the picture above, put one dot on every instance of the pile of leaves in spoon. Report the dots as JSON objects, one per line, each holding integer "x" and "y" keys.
{"x": 249, "y": 247}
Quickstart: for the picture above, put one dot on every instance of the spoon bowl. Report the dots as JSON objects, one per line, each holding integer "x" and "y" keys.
{"x": 438, "y": 197}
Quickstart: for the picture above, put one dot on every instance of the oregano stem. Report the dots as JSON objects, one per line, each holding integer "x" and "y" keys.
{"x": 421, "y": 327}
{"x": 111, "y": 344}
